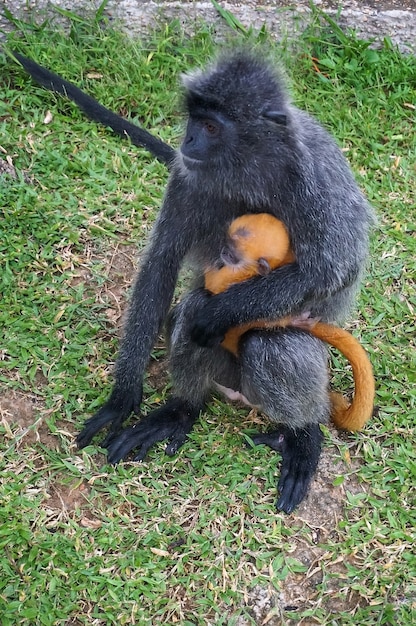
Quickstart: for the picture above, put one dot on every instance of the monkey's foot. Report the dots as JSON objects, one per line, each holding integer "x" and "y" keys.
{"x": 173, "y": 421}
{"x": 118, "y": 407}
{"x": 300, "y": 450}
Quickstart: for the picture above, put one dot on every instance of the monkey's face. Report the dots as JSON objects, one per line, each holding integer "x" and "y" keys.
{"x": 237, "y": 132}
{"x": 237, "y": 249}
{"x": 239, "y": 252}
{"x": 230, "y": 155}
{"x": 234, "y": 252}
{"x": 230, "y": 254}
{"x": 209, "y": 138}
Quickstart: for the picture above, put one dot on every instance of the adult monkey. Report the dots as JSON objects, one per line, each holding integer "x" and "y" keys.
{"x": 247, "y": 149}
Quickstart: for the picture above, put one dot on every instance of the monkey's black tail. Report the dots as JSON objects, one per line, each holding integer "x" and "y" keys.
{"x": 97, "y": 112}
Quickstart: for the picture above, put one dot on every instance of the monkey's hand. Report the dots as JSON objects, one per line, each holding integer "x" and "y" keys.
{"x": 173, "y": 421}
{"x": 209, "y": 326}
{"x": 121, "y": 403}
{"x": 300, "y": 450}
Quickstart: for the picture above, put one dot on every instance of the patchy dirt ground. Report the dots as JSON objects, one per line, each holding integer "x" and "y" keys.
{"x": 25, "y": 420}
{"x": 7, "y": 167}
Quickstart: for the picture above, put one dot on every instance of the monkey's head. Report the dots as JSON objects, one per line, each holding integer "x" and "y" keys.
{"x": 238, "y": 113}
{"x": 237, "y": 254}
{"x": 259, "y": 242}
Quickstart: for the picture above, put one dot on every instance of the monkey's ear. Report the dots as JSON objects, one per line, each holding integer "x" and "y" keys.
{"x": 276, "y": 116}
{"x": 263, "y": 266}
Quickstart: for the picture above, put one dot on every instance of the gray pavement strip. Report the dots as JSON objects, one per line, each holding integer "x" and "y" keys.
{"x": 395, "y": 19}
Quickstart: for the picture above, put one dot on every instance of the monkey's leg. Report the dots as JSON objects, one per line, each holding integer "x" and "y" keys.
{"x": 286, "y": 373}
{"x": 193, "y": 371}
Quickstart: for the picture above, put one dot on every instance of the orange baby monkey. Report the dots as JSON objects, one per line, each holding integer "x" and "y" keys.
{"x": 257, "y": 244}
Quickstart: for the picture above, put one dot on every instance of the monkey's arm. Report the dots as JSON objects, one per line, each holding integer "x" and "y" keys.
{"x": 96, "y": 112}
{"x": 150, "y": 300}
{"x": 147, "y": 311}
{"x": 276, "y": 295}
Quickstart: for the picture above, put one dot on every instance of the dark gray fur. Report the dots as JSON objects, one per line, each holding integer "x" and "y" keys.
{"x": 275, "y": 159}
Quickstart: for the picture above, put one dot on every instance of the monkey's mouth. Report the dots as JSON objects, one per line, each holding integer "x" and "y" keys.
{"x": 191, "y": 163}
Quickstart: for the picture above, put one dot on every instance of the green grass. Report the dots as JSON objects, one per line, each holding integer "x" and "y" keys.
{"x": 192, "y": 539}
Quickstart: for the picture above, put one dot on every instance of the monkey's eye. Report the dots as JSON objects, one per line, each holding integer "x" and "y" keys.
{"x": 212, "y": 129}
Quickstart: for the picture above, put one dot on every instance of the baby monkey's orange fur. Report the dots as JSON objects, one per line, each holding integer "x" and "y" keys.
{"x": 257, "y": 244}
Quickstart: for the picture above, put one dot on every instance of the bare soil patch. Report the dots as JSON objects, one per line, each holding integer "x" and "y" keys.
{"x": 23, "y": 419}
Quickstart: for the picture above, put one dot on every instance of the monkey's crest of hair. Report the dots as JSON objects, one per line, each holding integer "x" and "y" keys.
{"x": 242, "y": 86}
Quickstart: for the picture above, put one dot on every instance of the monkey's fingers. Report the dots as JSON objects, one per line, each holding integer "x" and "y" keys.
{"x": 111, "y": 435}
{"x": 122, "y": 444}
{"x": 117, "y": 408}
{"x": 292, "y": 487}
{"x": 300, "y": 450}
{"x": 91, "y": 427}
{"x": 173, "y": 421}
{"x": 177, "y": 441}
